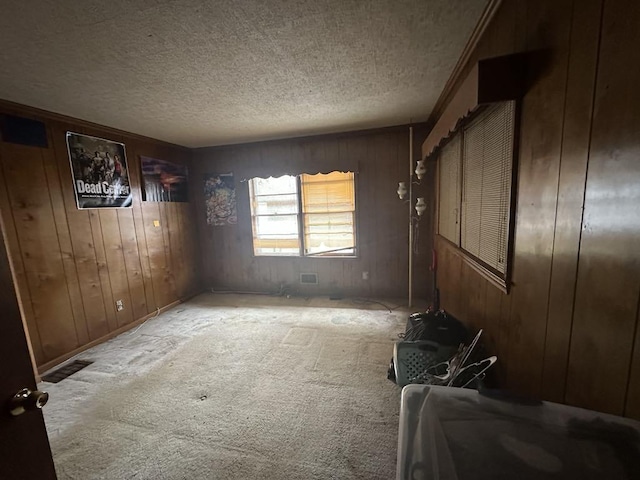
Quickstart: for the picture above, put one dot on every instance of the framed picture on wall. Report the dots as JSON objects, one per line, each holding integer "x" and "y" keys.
{"x": 163, "y": 181}
{"x": 99, "y": 170}
{"x": 220, "y": 199}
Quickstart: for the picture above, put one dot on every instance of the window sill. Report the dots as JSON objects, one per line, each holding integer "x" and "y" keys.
{"x": 488, "y": 275}
{"x": 498, "y": 282}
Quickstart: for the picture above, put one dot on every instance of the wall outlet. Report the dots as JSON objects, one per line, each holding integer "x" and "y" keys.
{"x": 119, "y": 305}
{"x": 365, "y": 275}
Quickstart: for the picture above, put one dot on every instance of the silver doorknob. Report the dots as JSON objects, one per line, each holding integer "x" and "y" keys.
{"x": 26, "y": 400}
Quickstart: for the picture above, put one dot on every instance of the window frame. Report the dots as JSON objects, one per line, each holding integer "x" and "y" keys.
{"x": 502, "y": 282}
{"x": 301, "y": 225}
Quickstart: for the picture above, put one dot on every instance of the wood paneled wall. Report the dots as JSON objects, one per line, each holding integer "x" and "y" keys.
{"x": 382, "y": 219}
{"x": 568, "y": 331}
{"x": 70, "y": 266}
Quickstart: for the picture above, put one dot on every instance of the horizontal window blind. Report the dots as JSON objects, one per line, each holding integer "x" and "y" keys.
{"x": 486, "y": 186}
{"x": 449, "y": 190}
{"x": 328, "y": 209}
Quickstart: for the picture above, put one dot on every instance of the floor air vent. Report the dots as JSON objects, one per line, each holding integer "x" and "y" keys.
{"x": 309, "y": 278}
{"x": 65, "y": 371}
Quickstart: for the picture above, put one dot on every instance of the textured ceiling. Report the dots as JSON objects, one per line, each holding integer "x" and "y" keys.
{"x": 202, "y": 73}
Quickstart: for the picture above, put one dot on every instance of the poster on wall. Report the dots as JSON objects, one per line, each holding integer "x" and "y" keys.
{"x": 163, "y": 181}
{"x": 220, "y": 199}
{"x": 99, "y": 170}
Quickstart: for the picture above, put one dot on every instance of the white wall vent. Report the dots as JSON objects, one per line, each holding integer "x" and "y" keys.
{"x": 309, "y": 278}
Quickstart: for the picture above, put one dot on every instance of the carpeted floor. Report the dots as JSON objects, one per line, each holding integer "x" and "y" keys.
{"x": 235, "y": 387}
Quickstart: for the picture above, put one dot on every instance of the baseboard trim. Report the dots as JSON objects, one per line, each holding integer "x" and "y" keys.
{"x": 45, "y": 367}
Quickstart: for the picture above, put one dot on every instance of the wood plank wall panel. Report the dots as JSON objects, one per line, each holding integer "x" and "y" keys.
{"x": 187, "y": 248}
{"x": 103, "y": 269}
{"x": 608, "y": 285}
{"x": 585, "y": 28}
{"x": 66, "y": 250}
{"x": 18, "y": 268}
{"x": 382, "y": 219}
{"x": 170, "y": 281}
{"x": 492, "y": 330}
{"x": 382, "y": 203}
{"x": 115, "y": 268}
{"x": 133, "y": 264}
{"x": 568, "y": 330}
{"x": 175, "y": 245}
{"x": 157, "y": 255}
{"x": 548, "y": 32}
{"x": 40, "y": 248}
{"x": 71, "y": 265}
{"x": 81, "y": 237}
{"x": 139, "y": 224}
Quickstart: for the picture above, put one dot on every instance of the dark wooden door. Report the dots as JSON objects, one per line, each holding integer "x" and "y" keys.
{"x": 24, "y": 446}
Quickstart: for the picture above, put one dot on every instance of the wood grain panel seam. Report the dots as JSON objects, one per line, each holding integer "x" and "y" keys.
{"x": 151, "y": 269}
{"x": 106, "y": 265}
{"x": 138, "y": 206}
{"x": 584, "y": 192}
{"x": 146, "y": 247}
{"x": 73, "y": 241}
{"x": 62, "y": 262}
{"x": 75, "y": 266}
{"x": 166, "y": 242}
{"x": 124, "y": 261}
{"x": 107, "y": 304}
{"x": 555, "y": 217}
{"x": 122, "y": 240}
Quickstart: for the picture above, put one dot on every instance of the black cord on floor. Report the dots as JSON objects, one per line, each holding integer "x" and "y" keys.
{"x": 359, "y": 300}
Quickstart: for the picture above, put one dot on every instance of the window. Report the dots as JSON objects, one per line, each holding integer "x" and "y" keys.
{"x": 475, "y": 171}
{"x": 305, "y": 215}
{"x": 449, "y": 178}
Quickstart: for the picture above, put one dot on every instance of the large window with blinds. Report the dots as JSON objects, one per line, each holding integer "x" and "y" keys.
{"x": 475, "y": 175}
{"x": 305, "y": 215}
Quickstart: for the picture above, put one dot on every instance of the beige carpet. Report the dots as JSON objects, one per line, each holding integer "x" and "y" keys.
{"x": 223, "y": 388}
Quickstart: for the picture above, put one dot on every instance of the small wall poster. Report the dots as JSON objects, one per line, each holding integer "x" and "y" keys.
{"x": 99, "y": 170}
{"x": 220, "y": 199}
{"x": 163, "y": 181}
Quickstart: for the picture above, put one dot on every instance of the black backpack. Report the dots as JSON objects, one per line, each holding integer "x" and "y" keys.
{"x": 436, "y": 326}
